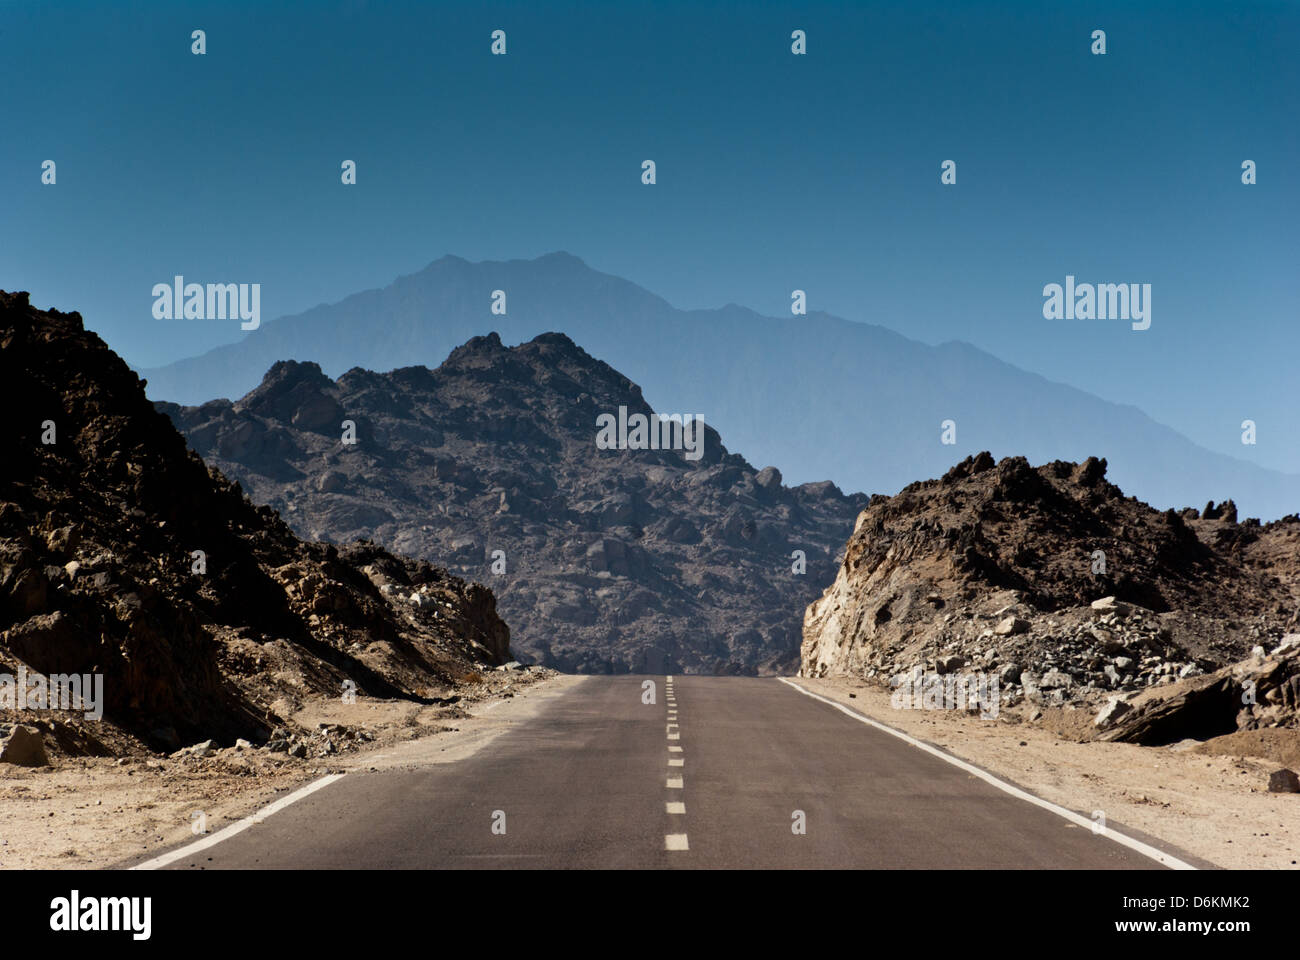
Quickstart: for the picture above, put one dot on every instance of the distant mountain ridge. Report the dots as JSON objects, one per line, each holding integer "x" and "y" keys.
{"x": 818, "y": 396}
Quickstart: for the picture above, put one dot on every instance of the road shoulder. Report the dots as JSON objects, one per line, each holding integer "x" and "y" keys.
{"x": 1206, "y": 806}
{"x": 87, "y": 813}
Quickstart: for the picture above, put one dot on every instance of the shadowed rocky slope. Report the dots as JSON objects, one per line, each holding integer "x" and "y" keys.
{"x": 122, "y": 554}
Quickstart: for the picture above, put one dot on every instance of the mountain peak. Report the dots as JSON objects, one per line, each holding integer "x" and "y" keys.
{"x": 556, "y": 339}
{"x": 487, "y": 345}
{"x": 292, "y": 371}
{"x": 556, "y": 258}
{"x": 298, "y": 391}
{"x": 289, "y": 376}
{"x": 561, "y": 257}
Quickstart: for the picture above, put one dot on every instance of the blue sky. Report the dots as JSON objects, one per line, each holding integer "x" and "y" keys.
{"x": 774, "y": 172}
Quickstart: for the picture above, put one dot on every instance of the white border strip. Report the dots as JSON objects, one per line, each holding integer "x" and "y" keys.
{"x": 239, "y": 826}
{"x": 1145, "y": 849}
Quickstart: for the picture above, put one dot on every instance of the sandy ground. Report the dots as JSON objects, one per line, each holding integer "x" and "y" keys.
{"x": 99, "y": 812}
{"x": 1211, "y": 804}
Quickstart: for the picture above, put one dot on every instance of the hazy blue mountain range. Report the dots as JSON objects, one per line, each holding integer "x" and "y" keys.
{"x": 818, "y": 396}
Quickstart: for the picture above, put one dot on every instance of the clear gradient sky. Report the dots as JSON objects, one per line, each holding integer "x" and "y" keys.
{"x": 774, "y": 171}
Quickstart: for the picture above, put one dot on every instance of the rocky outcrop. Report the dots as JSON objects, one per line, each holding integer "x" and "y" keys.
{"x": 1051, "y": 580}
{"x": 1259, "y": 692}
{"x": 604, "y": 560}
{"x": 122, "y": 554}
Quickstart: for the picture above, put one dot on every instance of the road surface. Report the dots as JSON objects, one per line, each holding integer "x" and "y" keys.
{"x": 715, "y": 773}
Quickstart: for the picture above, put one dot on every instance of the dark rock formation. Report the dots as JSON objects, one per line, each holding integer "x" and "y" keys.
{"x": 123, "y": 554}
{"x": 615, "y": 560}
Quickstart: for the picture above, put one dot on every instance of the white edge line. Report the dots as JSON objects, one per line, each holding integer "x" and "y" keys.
{"x": 1143, "y": 848}
{"x": 238, "y": 826}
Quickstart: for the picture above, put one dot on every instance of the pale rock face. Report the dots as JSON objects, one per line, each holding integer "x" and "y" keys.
{"x": 1010, "y": 626}
{"x": 1114, "y": 709}
{"x": 867, "y": 605}
{"x": 1111, "y": 605}
{"x": 825, "y": 630}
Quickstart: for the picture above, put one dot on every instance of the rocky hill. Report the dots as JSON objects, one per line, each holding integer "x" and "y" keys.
{"x": 610, "y": 559}
{"x": 122, "y": 554}
{"x": 1053, "y": 581}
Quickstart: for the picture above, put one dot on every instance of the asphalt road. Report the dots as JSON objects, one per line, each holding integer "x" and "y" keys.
{"x": 594, "y": 781}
